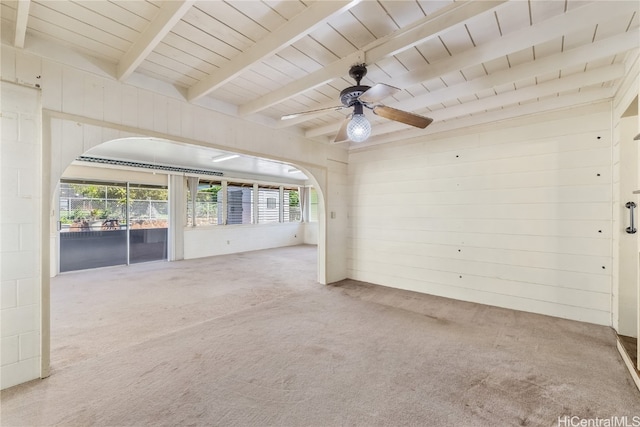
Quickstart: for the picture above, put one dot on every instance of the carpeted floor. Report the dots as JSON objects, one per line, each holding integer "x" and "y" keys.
{"x": 251, "y": 340}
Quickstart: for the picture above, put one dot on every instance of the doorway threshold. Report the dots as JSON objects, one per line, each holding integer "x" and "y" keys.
{"x": 628, "y": 348}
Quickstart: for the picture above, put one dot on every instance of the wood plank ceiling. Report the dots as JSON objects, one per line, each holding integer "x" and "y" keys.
{"x": 460, "y": 63}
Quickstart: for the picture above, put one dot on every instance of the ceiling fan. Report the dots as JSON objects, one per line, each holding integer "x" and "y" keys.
{"x": 356, "y": 127}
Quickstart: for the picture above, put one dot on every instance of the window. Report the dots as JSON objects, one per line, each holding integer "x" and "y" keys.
{"x": 148, "y": 206}
{"x": 291, "y": 202}
{"x": 86, "y": 206}
{"x": 239, "y": 203}
{"x": 313, "y": 205}
{"x": 208, "y": 204}
{"x": 246, "y": 203}
{"x": 268, "y": 204}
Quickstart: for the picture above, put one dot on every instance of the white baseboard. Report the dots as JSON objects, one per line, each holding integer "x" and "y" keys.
{"x": 627, "y": 361}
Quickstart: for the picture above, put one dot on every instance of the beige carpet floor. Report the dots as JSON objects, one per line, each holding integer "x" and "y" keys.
{"x": 251, "y": 340}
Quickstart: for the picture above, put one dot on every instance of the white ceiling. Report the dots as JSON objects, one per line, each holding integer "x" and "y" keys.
{"x": 461, "y": 63}
{"x": 156, "y": 151}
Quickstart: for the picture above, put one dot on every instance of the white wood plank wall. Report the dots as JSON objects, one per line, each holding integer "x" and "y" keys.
{"x": 515, "y": 215}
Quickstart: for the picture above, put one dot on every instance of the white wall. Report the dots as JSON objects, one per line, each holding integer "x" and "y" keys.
{"x": 515, "y": 214}
{"x": 310, "y": 232}
{"x": 20, "y": 230}
{"x": 226, "y": 239}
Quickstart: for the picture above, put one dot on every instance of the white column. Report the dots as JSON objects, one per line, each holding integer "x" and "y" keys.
{"x": 225, "y": 210}
{"x": 255, "y": 203}
{"x": 281, "y": 208}
{"x": 177, "y": 217}
{"x": 22, "y": 223}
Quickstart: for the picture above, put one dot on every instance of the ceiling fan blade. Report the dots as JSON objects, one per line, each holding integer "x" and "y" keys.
{"x": 342, "y": 133}
{"x": 377, "y": 92}
{"x": 402, "y": 116}
{"x": 320, "y": 110}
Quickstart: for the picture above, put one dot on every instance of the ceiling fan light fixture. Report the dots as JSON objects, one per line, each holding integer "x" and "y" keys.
{"x": 355, "y": 127}
{"x": 359, "y": 128}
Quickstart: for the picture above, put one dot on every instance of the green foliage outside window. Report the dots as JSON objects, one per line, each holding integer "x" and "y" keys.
{"x": 92, "y": 202}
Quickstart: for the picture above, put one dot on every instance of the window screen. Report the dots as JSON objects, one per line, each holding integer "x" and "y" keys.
{"x": 239, "y": 203}
{"x": 291, "y": 201}
{"x": 208, "y": 204}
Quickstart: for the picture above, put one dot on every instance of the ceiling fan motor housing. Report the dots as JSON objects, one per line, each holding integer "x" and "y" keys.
{"x": 351, "y": 98}
{"x": 350, "y": 95}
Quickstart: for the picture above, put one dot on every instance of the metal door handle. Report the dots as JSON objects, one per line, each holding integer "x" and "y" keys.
{"x": 631, "y": 229}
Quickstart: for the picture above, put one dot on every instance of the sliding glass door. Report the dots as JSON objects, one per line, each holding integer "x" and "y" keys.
{"x": 148, "y": 219}
{"x": 107, "y": 224}
{"x": 92, "y": 225}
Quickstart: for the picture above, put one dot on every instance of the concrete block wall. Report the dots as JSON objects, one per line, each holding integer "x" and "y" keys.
{"x": 20, "y": 234}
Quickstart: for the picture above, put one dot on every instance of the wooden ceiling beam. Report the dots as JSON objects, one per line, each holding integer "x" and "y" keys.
{"x": 587, "y": 15}
{"x": 581, "y": 17}
{"x": 308, "y": 82}
{"x": 22, "y": 16}
{"x": 572, "y": 82}
{"x": 513, "y": 98}
{"x": 296, "y": 28}
{"x": 548, "y": 64}
{"x": 559, "y": 103}
{"x": 553, "y": 28}
{"x": 168, "y": 16}
{"x": 425, "y": 29}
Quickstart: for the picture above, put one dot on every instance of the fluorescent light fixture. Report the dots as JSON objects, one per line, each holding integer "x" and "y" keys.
{"x": 223, "y": 158}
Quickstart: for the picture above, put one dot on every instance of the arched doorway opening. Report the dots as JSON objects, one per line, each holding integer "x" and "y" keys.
{"x": 171, "y": 165}
{"x": 177, "y": 184}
